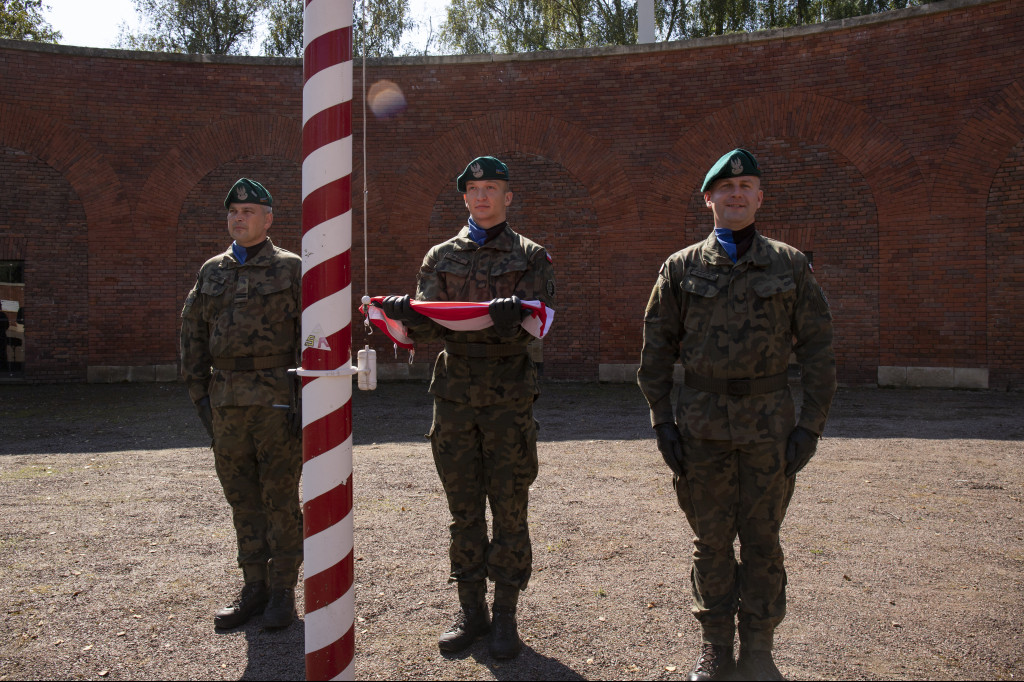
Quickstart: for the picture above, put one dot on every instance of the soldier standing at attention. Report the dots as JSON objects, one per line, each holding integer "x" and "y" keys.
{"x": 240, "y": 331}
{"x": 484, "y": 437}
{"x": 732, "y": 309}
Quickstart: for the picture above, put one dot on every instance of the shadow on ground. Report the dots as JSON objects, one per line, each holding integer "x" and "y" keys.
{"x": 89, "y": 418}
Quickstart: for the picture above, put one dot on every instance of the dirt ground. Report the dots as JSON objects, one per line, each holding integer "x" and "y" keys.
{"x": 904, "y": 543}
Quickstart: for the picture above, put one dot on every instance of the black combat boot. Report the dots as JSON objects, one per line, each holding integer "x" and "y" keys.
{"x": 755, "y": 664}
{"x": 714, "y": 663}
{"x": 473, "y": 620}
{"x": 281, "y": 610}
{"x": 472, "y": 623}
{"x": 251, "y": 601}
{"x": 505, "y": 642}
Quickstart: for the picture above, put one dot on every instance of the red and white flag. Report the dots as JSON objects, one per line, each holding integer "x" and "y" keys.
{"x": 457, "y": 315}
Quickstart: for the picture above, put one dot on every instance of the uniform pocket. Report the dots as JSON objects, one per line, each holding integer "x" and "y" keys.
{"x": 700, "y": 295}
{"x": 774, "y": 298}
{"x": 454, "y": 271}
{"x": 276, "y": 294}
{"x": 505, "y": 277}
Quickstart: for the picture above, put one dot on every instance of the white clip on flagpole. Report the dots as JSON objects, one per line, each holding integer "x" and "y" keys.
{"x": 366, "y": 367}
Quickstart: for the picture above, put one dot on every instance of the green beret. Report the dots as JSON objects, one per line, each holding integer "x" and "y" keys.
{"x": 247, "y": 191}
{"x": 482, "y": 168}
{"x": 737, "y": 162}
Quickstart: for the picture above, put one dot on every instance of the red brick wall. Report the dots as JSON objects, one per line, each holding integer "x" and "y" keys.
{"x": 892, "y": 149}
{"x": 52, "y": 239}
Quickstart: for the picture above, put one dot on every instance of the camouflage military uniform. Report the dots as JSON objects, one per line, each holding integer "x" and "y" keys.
{"x": 737, "y": 322}
{"x": 484, "y": 437}
{"x": 240, "y": 332}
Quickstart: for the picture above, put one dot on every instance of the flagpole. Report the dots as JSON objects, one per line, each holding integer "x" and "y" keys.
{"x": 327, "y": 339}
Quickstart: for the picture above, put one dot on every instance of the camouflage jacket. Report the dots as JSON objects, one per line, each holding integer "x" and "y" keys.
{"x": 242, "y": 311}
{"x": 737, "y": 321}
{"x": 460, "y": 270}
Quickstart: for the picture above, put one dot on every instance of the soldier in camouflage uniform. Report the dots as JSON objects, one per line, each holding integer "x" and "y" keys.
{"x": 484, "y": 437}
{"x": 732, "y": 309}
{"x": 240, "y": 331}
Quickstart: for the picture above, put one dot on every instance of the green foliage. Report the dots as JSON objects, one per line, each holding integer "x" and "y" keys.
{"x": 23, "y": 20}
{"x": 386, "y": 21}
{"x": 507, "y": 26}
{"x": 195, "y": 26}
{"x": 284, "y": 34}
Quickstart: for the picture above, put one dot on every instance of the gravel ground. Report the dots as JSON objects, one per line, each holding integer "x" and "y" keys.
{"x": 904, "y": 543}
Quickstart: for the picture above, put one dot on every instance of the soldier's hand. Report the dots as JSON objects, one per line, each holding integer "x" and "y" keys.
{"x": 399, "y": 308}
{"x": 670, "y": 443}
{"x": 506, "y": 314}
{"x": 206, "y": 415}
{"x": 799, "y": 449}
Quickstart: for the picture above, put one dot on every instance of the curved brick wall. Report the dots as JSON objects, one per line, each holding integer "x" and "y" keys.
{"x": 892, "y": 147}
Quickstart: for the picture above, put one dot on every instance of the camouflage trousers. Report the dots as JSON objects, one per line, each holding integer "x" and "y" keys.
{"x": 259, "y": 463}
{"x": 732, "y": 490}
{"x": 487, "y": 454}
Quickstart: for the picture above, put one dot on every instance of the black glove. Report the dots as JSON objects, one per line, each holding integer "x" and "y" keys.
{"x": 399, "y": 308}
{"x": 206, "y": 415}
{"x": 670, "y": 443}
{"x": 506, "y": 314}
{"x": 799, "y": 449}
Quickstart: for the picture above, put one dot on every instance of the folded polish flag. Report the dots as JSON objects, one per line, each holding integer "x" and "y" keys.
{"x": 457, "y": 315}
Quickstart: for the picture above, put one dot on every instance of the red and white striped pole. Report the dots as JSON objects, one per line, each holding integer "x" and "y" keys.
{"x": 327, "y": 339}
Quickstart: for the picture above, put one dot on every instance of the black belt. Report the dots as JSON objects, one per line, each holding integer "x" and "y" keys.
{"x": 484, "y": 350}
{"x": 737, "y": 386}
{"x": 266, "y": 362}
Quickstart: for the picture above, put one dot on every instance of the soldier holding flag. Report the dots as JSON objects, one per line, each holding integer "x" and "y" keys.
{"x": 484, "y": 437}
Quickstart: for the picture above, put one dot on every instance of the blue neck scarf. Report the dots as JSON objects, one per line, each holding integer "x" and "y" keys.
{"x": 736, "y": 243}
{"x": 477, "y": 233}
{"x": 241, "y": 253}
{"x": 483, "y": 235}
{"x": 727, "y": 239}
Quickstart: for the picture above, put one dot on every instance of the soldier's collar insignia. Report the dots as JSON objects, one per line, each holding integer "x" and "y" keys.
{"x": 736, "y": 165}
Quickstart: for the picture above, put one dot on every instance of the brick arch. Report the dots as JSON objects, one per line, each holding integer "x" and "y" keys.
{"x": 104, "y": 203}
{"x": 164, "y": 194}
{"x": 974, "y": 157}
{"x": 65, "y": 150}
{"x": 980, "y": 172}
{"x": 220, "y": 142}
{"x": 586, "y": 159}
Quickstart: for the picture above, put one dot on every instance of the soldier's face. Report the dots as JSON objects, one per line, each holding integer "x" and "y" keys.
{"x": 248, "y": 223}
{"x": 734, "y": 201}
{"x": 487, "y": 201}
